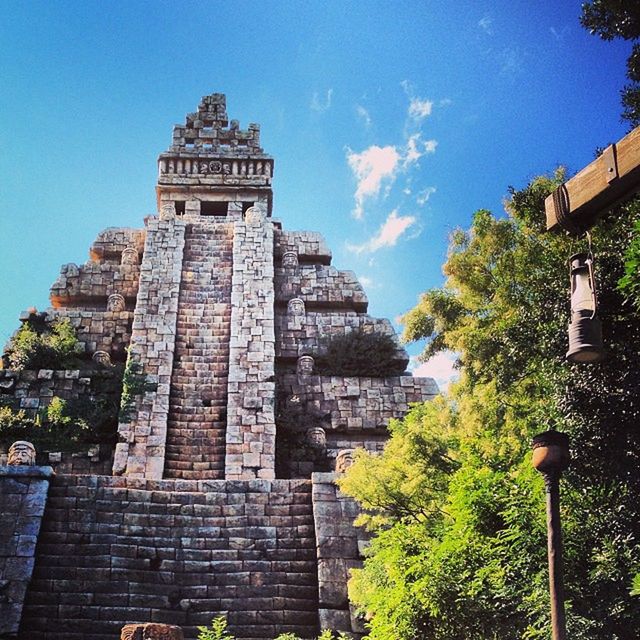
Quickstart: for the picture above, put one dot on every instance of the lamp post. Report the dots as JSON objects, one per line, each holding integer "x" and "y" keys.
{"x": 550, "y": 458}
{"x": 585, "y": 330}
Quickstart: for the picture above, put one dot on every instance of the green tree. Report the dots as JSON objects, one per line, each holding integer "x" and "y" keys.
{"x": 459, "y": 551}
{"x": 611, "y": 19}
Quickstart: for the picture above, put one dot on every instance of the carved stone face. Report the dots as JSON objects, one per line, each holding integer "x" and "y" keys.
{"x": 316, "y": 437}
{"x": 129, "y": 256}
{"x": 289, "y": 259}
{"x": 22, "y": 453}
{"x": 168, "y": 211}
{"x": 254, "y": 215}
{"x": 304, "y": 366}
{"x": 344, "y": 460}
{"x": 115, "y": 302}
{"x": 101, "y": 358}
{"x": 295, "y": 307}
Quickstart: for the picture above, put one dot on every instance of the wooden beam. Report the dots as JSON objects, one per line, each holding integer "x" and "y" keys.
{"x": 614, "y": 176}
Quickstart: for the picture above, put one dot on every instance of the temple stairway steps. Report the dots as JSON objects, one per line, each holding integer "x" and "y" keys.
{"x": 198, "y": 398}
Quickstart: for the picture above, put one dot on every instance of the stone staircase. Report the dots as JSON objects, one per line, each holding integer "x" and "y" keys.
{"x": 198, "y": 398}
{"x": 113, "y": 551}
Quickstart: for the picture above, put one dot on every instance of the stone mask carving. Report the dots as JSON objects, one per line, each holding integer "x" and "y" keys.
{"x": 101, "y": 358}
{"x": 289, "y": 259}
{"x": 295, "y": 307}
{"x": 22, "y": 453}
{"x": 316, "y": 437}
{"x": 168, "y": 211}
{"x": 116, "y": 302}
{"x": 130, "y": 256}
{"x": 304, "y": 366}
{"x": 254, "y": 215}
{"x": 344, "y": 460}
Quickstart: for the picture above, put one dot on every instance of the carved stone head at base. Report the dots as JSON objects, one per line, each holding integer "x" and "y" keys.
{"x": 316, "y": 437}
{"x": 295, "y": 307}
{"x": 254, "y": 215}
{"x": 289, "y": 259}
{"x": 130, "y": 256}
{"x": 168, "y": 211}
{"x": 151, "y": 631}
{"x": 116, "y": 302}
{"x": 304, "y": 366}
{"x": 344, "y": 460}
{"x": 22, "y": 453}
{"x": 101, "y": 358}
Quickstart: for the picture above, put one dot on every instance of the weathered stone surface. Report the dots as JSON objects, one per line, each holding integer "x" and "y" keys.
{"x": 151, "y": 631}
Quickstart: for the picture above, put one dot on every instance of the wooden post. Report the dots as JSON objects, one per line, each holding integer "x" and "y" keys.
{"x": 577, "y": 204}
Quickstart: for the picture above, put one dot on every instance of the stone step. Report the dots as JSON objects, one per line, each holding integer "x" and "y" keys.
{"x": 196, "y": 428}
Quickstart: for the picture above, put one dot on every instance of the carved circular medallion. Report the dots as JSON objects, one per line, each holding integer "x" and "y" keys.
{"x": 215, "y": 166}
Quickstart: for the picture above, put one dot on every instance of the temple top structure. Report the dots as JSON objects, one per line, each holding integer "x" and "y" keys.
{"x": 213, "y": 167}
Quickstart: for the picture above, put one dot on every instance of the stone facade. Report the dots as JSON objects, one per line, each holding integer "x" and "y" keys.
{"x": 23, "y": 496}
{"x": 218, "y": 313}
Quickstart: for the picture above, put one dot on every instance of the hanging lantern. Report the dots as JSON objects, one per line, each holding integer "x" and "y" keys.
{"x": 585, "y": 330}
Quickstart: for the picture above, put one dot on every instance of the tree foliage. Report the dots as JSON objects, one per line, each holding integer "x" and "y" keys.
{"x": 611, "y": 19}
{"x": 458, "y": 512}
{"x": 44, "y": 346}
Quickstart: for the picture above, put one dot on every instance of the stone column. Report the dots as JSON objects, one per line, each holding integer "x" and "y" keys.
{"x": 251, "y": 428}
{"x": 23, "y": 496}
{"x": 143, "y": 432}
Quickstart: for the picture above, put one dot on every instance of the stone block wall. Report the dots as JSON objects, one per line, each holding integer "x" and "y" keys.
{"x": 114, "y": 551}
{"x": 339, "y": 547}
{"x": 251, "y": 428}
{"x": 23, "y": 495}
{"x": 321, "y": 286}
{"x": 310, "y": 246}
{"x": 141, "y": 452}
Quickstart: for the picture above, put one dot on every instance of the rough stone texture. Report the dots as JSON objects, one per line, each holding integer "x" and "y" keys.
{"x": 300, "y": 335}
{"x": 94, "y": 459}
{"x": 251, "y": 427}
{"x": 216, "y": 304}
{"x": 151, "y": 631}
{"x": 141, "y": 452}
{"x": 116, "y": 551}
{"x": 198, "y": 403}
{"x": 23, "y": 495}
{"x": 339, "y": 548}
{"x": 320, "y": 286}
{"x": 33, "y": 389}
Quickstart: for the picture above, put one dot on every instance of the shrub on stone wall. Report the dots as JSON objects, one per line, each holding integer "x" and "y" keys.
{"x": 218, "y": 631}
{"x": 358, "y": 353}
{"x": 41, "y": 345}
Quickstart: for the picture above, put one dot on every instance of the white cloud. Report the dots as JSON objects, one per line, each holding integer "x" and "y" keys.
{"x": 419, "y": 109}
{"x": 370, "y": 168}
{"x": 486, "y": 24}
{"x": 388, "y": 234}
{"x": 319, "y": 104}
{"x": 364, "y": 114}
{"x": 440, "y": 367}
{"x": 424, "y": 195}
{"x": 417, "y": 147}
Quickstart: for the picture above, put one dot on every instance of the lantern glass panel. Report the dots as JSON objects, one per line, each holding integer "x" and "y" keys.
{"x": 582, "y": 298}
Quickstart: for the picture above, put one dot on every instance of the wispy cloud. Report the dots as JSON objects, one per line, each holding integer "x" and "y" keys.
{"x": 388, "y": 234}
{"x": 510, "y": 61}
{"x": 424, "y": 195}
{"x": 417, "y": 147}
{"x": 364, "y": 114}
{"x": 321, "y": 104}
{"x": 371, "y": 167}
{"x": 486, "y": 24}
{"x": 559, "y": 35}
{"x": 420, "y": 109}
{"x": 440, "y": 367}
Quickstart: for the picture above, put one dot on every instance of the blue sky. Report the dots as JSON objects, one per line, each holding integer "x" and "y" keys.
{"x": 390, "y": 122}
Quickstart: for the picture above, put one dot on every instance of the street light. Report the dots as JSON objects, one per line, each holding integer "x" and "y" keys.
{"x": 585, "y": 330}
{"x": 550, "y": 458}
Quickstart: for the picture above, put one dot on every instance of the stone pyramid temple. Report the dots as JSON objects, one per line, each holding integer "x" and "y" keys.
{"x": 217, "y": 495}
